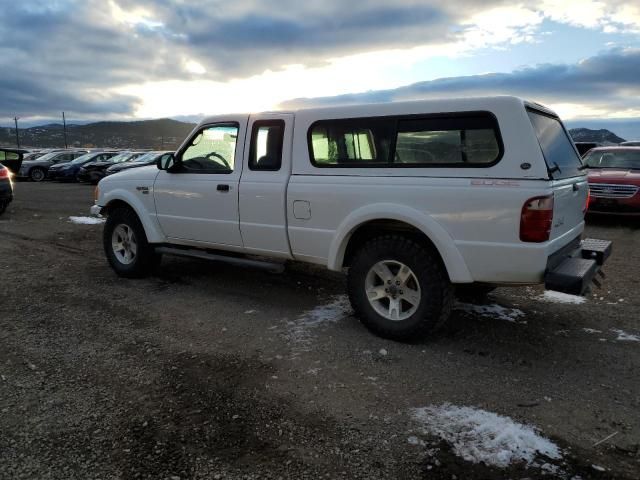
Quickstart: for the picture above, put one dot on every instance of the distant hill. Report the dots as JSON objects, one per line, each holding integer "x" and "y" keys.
{"x": 158, "y": 134}
{"x": 167, "y": 134}
{"x": 601, "y": 136}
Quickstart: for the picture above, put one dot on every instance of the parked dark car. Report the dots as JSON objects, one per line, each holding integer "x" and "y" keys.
{"x": 12, "y": 158}
{"x": 584, "y": 147}
{"x": 69, "y": 170}
{"x": 614, "y": 180}
{"x": 6, "y": 188}
{"x": 93, "y": 172}
{"x": 36, "y": 170}
{"x": 149, "y": 158}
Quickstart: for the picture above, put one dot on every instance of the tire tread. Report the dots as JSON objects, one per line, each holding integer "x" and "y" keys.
{"x": 426, "y": 262}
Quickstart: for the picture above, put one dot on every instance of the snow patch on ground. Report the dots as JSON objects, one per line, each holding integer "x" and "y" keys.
{"x": 480, "y": 436}
{"x": 492, "y": 311}
{"x": 86, "y": 220}
{"x": 591, "y": 330}
{"x": 559, "y": 297}
{"x": 299, "y": 331}
{"x": 624, "y": 336}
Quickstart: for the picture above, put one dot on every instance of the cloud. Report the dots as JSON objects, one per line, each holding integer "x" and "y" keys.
{"x": 605, "y": 84}
{"x": 81, "y": 55}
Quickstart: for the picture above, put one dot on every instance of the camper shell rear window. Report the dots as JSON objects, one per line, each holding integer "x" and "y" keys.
{"x": 560, "y": 155}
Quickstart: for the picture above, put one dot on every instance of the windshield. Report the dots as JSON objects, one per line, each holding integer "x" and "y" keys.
{"x": 84, "y": 158}
{"x": 123, "y": 157}
{"x": 147, "y": 157}
{"x": 557, "y": 147}
{"x": 614, "y": 159}
{"x": 49, "y": 156}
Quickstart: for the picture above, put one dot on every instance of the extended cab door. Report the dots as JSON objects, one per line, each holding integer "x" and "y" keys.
{"x": 263, "y": 187}
{"x": 197, "y": 198}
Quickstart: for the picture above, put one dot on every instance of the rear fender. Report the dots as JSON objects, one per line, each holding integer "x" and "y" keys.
{"x": 451, "y": 256}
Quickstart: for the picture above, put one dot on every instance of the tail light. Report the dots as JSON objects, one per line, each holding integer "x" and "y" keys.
{"x": 586, "y": 205}
{"x": 4, "y": 173}
{"x": 536, "y": 219}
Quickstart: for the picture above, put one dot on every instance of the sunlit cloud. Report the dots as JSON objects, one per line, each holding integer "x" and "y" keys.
{"x": 151, "y": 58}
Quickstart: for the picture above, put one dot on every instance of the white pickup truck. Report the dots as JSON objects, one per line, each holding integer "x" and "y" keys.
{"x": 415, "y": 199}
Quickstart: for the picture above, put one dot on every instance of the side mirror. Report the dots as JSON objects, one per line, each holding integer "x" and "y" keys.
{"x": 165, "y": 162}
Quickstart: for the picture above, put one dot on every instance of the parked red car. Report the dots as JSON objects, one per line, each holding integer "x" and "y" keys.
{"x": 614, "y": 179}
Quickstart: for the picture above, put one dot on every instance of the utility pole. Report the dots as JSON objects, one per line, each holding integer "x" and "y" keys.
{"x": 64, "y": 127}
{"x": 15, "y": 119}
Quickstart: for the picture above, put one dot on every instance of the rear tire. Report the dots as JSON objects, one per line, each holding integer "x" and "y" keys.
{"x": 3, "y": 207}
{"x": 126, "y": 246}
{"x": 399, "y": 288}
{"x": 37, "y": 174}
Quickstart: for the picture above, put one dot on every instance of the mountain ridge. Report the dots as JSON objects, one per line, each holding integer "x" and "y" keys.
{"x": 167, "y": 134}
{"x": 163, "y": 133}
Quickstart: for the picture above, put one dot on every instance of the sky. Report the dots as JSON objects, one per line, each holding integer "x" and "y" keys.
{"x": 134, "y": 59}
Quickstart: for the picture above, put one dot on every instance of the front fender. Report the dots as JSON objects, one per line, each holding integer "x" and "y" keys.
{"x": 451, "y": 256}
{"x": 144, "y": 209}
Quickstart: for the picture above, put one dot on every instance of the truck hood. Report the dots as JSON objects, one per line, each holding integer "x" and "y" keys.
{"x": 608, "y": 175}
{"x": 147, "y": 174}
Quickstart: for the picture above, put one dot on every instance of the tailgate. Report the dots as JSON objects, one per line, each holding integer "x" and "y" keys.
{"x": 569, "y": 202}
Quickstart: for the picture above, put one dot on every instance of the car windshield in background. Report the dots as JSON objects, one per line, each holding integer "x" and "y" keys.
{"x": 557, "y": 147}
{"x": 48, "y": 156}
{"x": 614, "y": 159}
{"x": 122, "y": 157}
{"x": 144, "y": 158}
{"x": 84, "y": 158}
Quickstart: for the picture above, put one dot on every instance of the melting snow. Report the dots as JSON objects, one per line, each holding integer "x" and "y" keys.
{"x": 300, "y": 329}
{"x": 559, "y": 297}
{"x": 86, "y": 220}
{"x": 591, "y": 330}
{"x": 625, "y": 337}
{"x": 480, "y": 436}
{"x": 492, "y": 311}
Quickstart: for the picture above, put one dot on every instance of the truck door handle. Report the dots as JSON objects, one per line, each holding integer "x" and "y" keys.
{"x": 223, "y": 188}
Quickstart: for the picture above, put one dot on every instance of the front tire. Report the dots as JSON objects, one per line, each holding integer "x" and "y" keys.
{"x": 399, "y": 288}
{"x": 126, "y": 246}
{"x": 37, "y": 174}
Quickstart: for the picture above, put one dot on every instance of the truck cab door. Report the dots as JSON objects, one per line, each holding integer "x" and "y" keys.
{"x": 197, "y": 197}
{"x": 263, "y": 186}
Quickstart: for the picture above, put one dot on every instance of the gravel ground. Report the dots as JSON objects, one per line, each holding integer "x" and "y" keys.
{"x": 211, "y": 371}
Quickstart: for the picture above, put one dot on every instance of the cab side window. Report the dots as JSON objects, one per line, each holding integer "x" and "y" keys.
{"x": 212, "y": 150}
{"x": 266, "y": 145}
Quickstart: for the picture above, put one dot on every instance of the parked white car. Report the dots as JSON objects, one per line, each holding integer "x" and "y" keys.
{"x": 415, "y": 199}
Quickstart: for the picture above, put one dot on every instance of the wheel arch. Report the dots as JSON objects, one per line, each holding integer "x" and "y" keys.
{"x": 379, "y": 219}
{"x": 123, "y": 199}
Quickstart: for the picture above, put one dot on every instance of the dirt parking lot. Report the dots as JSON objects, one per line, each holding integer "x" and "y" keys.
{"x": 211, "y": 371}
